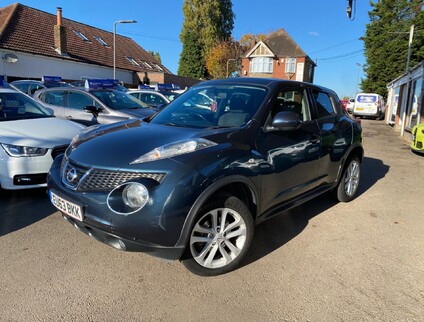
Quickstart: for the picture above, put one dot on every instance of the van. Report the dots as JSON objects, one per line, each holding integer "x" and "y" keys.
{"x": 369, "y": 105}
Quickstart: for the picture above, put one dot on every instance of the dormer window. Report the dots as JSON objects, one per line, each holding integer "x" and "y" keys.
{"x": 101, "y": 41}
{"x": 81, "y": 35}
{"x": 133, "y": 61}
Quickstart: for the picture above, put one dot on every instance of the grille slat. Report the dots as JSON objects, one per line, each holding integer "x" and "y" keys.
{"x": 86, "y": 179}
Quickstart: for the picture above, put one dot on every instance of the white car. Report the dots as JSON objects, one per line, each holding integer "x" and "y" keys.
{"x": 350, "y": 105}
{"x": 30, "y": 138}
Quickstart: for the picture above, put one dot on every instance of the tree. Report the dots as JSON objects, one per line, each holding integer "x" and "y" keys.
{"x": 206, "y": 23}
{"x": 386, "y": 42}
{"x": 156, "y": 55}
{"x": 224, "y": 59}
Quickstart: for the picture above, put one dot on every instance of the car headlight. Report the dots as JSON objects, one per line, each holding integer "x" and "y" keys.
{"x": 174, "y": 149}
{"x": 23, "y": 151}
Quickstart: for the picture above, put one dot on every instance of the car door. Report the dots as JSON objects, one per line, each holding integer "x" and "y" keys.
{"x": 292, "y": 156}
{"x": 54, "y": 100}
{"x": 76, "y": 101}
{"x": 336, "y": 134}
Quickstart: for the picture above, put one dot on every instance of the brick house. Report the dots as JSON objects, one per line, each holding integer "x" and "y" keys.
{"x": 34, "y": 43}
{"x": 278, "y": 56}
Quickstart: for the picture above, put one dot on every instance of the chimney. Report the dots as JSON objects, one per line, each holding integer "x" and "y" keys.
{"x": 59, "y": 34}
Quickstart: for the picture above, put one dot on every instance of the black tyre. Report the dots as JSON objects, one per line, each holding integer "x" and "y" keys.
{"x": 220, "y": 237}
{"x": 349, "y": 182}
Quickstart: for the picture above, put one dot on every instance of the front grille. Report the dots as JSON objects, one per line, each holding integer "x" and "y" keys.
{"x": 79, "y": 178}
{"x": 58, "y": 150}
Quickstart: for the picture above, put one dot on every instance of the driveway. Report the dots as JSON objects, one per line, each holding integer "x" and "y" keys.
{"x": 323, "y": 261}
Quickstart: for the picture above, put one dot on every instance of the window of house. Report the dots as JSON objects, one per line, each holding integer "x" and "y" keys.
{"x": 147, "y": 64}
{"x": 132, "y": 61}
{"x": 81, "y": 35}
{"x": 101, "y": 41}
{"x": 261, "y": 65}
{"x": 415, "y": 103}
{"x": 291, "y": 65}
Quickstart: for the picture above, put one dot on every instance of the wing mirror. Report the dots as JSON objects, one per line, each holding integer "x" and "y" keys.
{"x": 93, "y": 110}
{"x": 284, "y": 121}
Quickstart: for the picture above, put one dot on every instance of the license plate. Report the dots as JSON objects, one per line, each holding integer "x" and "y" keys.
{"x": 66, "y": 206}
{"x": 359, "y": 109}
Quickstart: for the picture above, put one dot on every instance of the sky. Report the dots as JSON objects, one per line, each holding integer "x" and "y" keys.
{"x": 320, "y": 28}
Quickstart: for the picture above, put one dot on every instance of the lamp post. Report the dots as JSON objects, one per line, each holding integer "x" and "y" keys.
{"x": 357, "y": 82}
{"x": 114, "y": 42}
{"x": 227, "y": 64}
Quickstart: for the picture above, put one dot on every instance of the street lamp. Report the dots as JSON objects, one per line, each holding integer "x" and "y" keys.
{"x": 357, "y": 82}
{"x": 114, "y": 42}
{"x": 227, "y": 64}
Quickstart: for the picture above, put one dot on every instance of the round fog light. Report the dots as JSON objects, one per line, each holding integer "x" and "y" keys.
{"x": 135, "y": 195}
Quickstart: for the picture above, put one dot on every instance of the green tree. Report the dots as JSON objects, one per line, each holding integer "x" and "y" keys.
{"x": 206, "y": 23}
{"x": 386, "y": 42}
{"x": 156, "y": 55}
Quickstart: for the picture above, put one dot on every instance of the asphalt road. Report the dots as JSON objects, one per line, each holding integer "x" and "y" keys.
{"x": 323, "y": 261}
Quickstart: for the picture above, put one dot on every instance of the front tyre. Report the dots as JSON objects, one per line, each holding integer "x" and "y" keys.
{"x": 220, "y": 237}
{"x": 349, "y": 182}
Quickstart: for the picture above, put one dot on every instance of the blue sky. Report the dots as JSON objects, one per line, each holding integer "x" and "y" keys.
{"x": 320, "y": 28}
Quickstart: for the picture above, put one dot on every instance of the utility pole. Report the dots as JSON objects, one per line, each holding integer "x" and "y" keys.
{"x": 411, "y": 36}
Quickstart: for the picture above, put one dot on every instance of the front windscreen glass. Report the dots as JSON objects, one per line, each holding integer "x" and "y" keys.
{"x": 118, "y": 100}
{"x": 18, "y": 106}
{"x": 213, "y": 106}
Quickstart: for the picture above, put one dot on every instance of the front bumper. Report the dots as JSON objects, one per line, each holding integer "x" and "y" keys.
{"x": 24, "y": 172}
{"x": 417, "y": 144}
{"x": 155, "y": 229}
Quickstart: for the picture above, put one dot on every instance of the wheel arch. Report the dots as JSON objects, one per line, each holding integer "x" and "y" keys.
{"x": 238, "y": 186}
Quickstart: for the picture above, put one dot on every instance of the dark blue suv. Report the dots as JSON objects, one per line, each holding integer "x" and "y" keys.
{"x": 191, "y": 182}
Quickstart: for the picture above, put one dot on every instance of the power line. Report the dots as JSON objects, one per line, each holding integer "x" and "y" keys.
{"x": 334, "y": 46}
{"x": 353, "y": 53}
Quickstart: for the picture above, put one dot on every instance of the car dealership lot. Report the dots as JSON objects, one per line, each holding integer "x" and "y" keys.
{"x": 322, "y": 261}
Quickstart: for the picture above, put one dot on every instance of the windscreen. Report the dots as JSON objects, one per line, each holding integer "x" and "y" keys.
{"x": 18, "y": 106}
{"x": 213, "y": 106}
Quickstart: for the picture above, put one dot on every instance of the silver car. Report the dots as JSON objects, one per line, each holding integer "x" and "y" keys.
{"x": 92, "y": 106}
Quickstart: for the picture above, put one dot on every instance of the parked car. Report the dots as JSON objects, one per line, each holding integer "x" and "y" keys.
{"x": 31, "y": 86}
{"x": 350, "y": 105}
{"x": 190, "y": 183}
{"x": 369, "y": 105}
{"x": 30, "y": 138}
{"x": 93, "y": 105}
{"x": 150, "y": 97}
{"x": 344, "y": 103}
{"x": 417, "y": 143}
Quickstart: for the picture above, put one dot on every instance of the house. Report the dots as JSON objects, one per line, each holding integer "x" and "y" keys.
{"x": 278, "y": 56}
{"x": 405, "y": 100}
{"x": 34, "y": 43}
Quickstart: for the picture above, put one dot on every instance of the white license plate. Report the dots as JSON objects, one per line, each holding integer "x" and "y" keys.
{"x": 66, "y": 207}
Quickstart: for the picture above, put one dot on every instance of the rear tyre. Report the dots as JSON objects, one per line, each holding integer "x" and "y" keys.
{"x": 349, "y": 182}
{"x": 220, "y": 237}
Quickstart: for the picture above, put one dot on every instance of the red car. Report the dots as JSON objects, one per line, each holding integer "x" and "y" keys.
{"x": 344, "y": 102}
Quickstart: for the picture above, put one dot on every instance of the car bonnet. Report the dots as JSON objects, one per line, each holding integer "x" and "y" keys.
{"x": 42, "y": 132}
{"x": 117, "y": 145}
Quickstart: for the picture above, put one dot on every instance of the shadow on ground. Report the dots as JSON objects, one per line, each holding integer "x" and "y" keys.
{"x": 22, "y": 208}
{"x": 279, "y": 230}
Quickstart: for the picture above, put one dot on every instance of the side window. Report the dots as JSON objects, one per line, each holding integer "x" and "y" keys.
{"x": 79, "y": 100}
{"x": 23, "y": 87}
{"x": 292, "y": 100}
{"x": 53, "y": 98}
{"x": 324, "y": 104}
{"x": 136, "y": 95}
{"x": 35, "y": 87}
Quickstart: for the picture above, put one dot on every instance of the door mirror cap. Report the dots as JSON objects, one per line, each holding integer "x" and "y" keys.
{"x": 93, "y": 109}
{"x": 284, "y": 121}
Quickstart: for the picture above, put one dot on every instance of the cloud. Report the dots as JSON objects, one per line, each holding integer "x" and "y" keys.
{"x": 314, "y": 33}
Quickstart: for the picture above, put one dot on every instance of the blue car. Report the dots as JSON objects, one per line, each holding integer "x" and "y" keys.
{"x": 192, "y": 181}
